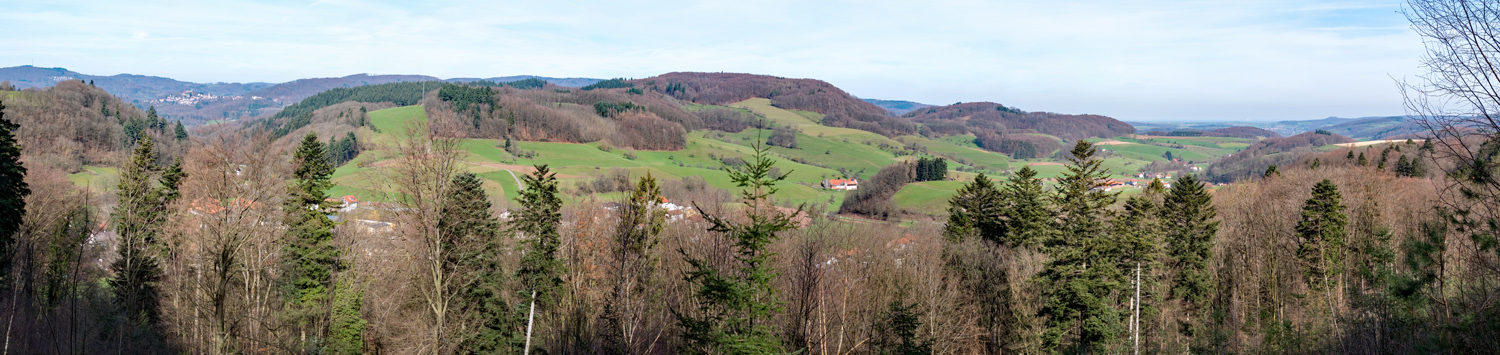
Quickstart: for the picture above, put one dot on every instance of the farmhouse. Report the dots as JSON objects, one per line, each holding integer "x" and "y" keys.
{"x": 841, "y": 184}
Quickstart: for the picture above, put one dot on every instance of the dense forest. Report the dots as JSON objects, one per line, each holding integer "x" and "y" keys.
{"x": 989, "y": 117}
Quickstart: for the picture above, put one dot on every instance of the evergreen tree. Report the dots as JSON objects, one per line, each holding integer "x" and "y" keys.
{"x": 311, "y": 257}
{"x": 1321, "y": 235}
{"x": 1271, "y": 171}
{"x": 896, "y": 331}
{"x": 1188, "y": 217}
{"x": 1350, "y": 156}
{"x": 1027, "y": 213}
{"x": 144, "y": 195}
{"x": 1082, "y": 276}
{"x": 1362, "y": 160}
{"x": 346, "y": 334}
{"x": 179, "y": 131}
{"x": 541, "y": 270}
{"x": 1138, "y": 232}
{"x": 636, "y": 235}
{"x": 735, "y": 307}
{"x": 974, "y": 211}
{"x": 13, "y": 192}
{"x": 470, "y": 234}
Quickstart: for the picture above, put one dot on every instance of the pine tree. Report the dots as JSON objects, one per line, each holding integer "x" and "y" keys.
{"x": 144, "y": 194}
{"x": 1138, "y": 232}
{"x": 1321, "y": 235}
{"x": 470, "y": 234}
{"x": 179, "y": 131}
{"x": 974, "y": 212}
{"x": 633, "y": 266}
{"x": 1350, "y": 156}
{"x": 13, "y": 192}
{"x": 1027, "y": 213}
{"x": 1362, "y": 160}
{"x": 346, "y": 334}
{"x": 1271, "y": 171}
{"x": 1188, "y": 217}
{"x": 735, "y": 306}
{"x": 896, "y": 332}
{"x": 1082, "y": 276}
{"x": 311, "y": 257}
{"x": 541, "y": 270}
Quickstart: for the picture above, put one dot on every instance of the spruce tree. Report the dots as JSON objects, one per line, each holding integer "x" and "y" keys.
{"x": 1082, "y": 276}
{"x": 179, "y": 131}
{"x": 311, "y": 257}
{"x": 470, "y": 234}
{"x": 896, "y": 332}
{"x": 1189, "y": 222}
{"x": 144, "y": 194}
{"x": 13, "y": 192}
{"x": 634, "y": 263}
{"x": 1138, "y": 233}
{"x": 541, "y": 271}
{"x": 1271, "y": 171}
{"x": 1027, "y": 213}
{"x": 1321, "y": 234}
{"x": 735, "y": 306}
{"x": 1362, "y": 160}
{"x": 974, "y": 212}
{"x": 346, "y": 333}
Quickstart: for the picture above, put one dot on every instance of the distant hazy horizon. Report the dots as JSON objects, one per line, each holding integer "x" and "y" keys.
{"x": 1138, "y": 60}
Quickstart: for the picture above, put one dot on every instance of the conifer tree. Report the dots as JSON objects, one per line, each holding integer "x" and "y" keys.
{"x": 1321, "y": 235}
{"x": 346, "y": 333}
{"x": 1027, "y": 213}
{"x": 13, "y": 192}
{"x": 179, "y": 131}
{"x": 896, "y": 332}
{"x": 1271, "y": 171}
{"x": 1189, "y": 220}
{"x": 144, "y": 194}
{"x": 1138, "y": 234}
{"x": 1362, "y": 160}
{"x": 641, "y": 221}
{"x": 311, "y": 257}
{"x": 735, "y": 306}
{"x": 470, "y": 234}
{"x": 1082, "y": 276}
{"x": 974, "y": 212}
{"x": 541, "y": 270}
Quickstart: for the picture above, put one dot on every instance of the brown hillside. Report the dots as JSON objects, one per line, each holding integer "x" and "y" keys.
{"x": 838, "y": 107}
{"x": 74, "y": 124}
{"x": 977, "y": 117}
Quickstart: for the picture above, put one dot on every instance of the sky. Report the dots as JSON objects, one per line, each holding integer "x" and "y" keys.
{"x": 1136, "y": 60}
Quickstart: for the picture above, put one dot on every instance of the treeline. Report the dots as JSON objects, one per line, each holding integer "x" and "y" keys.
{"x": 980, "y": 117}
{"x": 1017, "y": 146}
{"x": 839, "y": 109}
{"x": 289, "y": 119}
{"x": 626, "y": 119}
{"x": 1253, "y": 160}
{"x": 1232, "y": 132}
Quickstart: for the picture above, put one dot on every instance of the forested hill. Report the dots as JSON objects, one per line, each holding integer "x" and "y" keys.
{"x": 1254, "y": 160}
{"x": 838, "y": 107}
{"x": 979, "y": 117}
{"x": 73, "y": 124}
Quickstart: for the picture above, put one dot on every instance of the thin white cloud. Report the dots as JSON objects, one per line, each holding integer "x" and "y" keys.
{"x": 1137, "y": 60}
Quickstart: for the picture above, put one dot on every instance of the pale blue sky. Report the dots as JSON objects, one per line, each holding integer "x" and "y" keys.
{"x": 1133, "y": 60}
